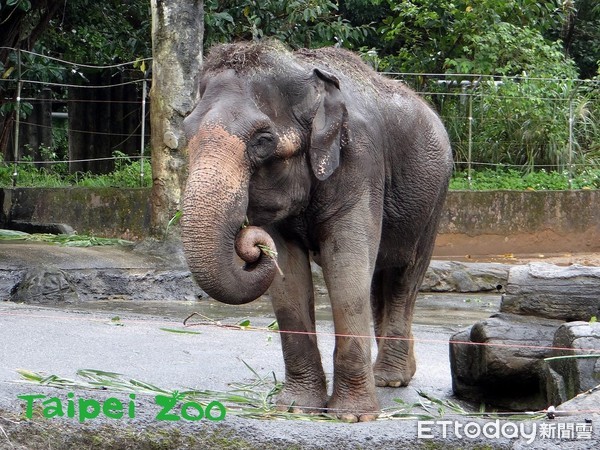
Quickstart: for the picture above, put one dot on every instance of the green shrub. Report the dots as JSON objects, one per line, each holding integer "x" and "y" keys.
{"x": 522, "y": 122}
{"x": 127, "y": 174}
{"x": 511, "y": 179}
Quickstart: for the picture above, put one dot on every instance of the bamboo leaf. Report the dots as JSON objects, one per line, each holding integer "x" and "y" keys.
{"x": 74, "y": 240}
{"x": 7, "y": 72}
{"x": 147, "y": 386}
{"x": 179, "y": 331}
{"x": 95, "y": 374}
{"x": 28, "y": 375}
{"x": 554, "y": 358}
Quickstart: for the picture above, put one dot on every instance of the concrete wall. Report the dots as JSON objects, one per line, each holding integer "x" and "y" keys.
{"x": 105, "y": 212}
{"x": 473, "y": 223}
{"x": 519, "y": 222}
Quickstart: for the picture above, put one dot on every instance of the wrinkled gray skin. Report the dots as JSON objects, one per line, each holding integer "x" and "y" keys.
{"x": 328, "y": 160}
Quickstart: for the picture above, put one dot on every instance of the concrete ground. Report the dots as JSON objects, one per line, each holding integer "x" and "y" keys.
{"x": 137, "y": 341}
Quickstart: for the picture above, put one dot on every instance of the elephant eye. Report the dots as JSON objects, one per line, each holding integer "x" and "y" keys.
{"x": 264, "y": 139}
{"x": 262, "y": 146}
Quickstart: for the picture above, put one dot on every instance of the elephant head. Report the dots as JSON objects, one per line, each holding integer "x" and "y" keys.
{"x": 265, "y": 130}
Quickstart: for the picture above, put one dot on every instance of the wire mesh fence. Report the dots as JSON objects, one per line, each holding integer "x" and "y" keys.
{"x": 70, "y": 120}
{"x": 60, "y": 122}
{"x": 518, "y": 124}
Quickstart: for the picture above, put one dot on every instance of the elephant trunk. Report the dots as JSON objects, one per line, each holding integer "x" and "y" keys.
{"x": 214, "y": 209}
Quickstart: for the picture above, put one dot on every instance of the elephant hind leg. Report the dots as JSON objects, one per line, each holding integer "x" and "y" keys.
{"x": 393, "y": 297}
{"x": 393, "y": 294}
{"x": 378, "y": 308}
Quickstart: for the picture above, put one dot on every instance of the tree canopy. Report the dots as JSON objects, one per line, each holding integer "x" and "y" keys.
{"x": 548, "y": 37}
{"x": 487, "y": 37}
{"x": 93, "y": 32}
{"x": 556, "y": 40}
{"x": 22, "y": 22}
{"x": 545, "y": 38}
{"x": 299, "y": 23}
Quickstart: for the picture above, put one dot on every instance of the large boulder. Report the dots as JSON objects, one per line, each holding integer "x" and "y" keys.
{"x": 585, "y": 403}
{"x": 500, "y": 361}
{"x": 452, "y": 276}
{"x": 545, "y": 290}
{"x": 577, "y": 370}
{"x": 45, "y": 285}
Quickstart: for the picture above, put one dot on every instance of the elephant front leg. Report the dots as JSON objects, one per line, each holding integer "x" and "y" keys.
{"x": 305, "y": 387}
{"x": 348, "y": 278}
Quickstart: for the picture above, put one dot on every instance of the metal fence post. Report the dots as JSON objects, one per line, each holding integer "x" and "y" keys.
{"x": 17, "y": 119}
{"x": 570, "y": 142}
{"x": 470, "y": 151}
{"x": 143, "y": 140}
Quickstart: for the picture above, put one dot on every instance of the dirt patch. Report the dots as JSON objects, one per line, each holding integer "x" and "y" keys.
{"x": 522, "y": 248}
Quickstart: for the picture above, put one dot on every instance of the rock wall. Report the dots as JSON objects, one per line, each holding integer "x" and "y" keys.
{"x": 45, "y": 274}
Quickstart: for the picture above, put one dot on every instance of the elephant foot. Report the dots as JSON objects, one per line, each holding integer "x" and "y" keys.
{"x": 354, "y": 408}
{"x": 390, "y": 376}
{"x": 299, "y": 399}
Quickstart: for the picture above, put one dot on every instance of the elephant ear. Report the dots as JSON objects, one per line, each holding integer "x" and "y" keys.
{"x": 327, "y": 126}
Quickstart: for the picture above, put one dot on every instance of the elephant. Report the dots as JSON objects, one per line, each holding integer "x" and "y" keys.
{"x": 312, "y": 155}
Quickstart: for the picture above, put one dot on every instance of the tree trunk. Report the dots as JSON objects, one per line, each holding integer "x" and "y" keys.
{"x": 177, "y": 31}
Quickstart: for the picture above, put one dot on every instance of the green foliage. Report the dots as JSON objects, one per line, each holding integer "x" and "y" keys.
{"x": 580, "y": 34}
{"x": 34, "y": 68}
{"x": 508, "y": 49}
{"x": 127, "y": 174}
{"x": 37, "y": 68}
{"x": 299, "y": 23}
{"x": 512, "y": 179}
{"x": 8, "y": 107}
{"x": 92, "y": 32}
{"x": 523, "y": 122}
{"x": 489, "y": 37}
{"x": 24, "y": 5}
{"x": 520, "y": 121}
{"x": 67, "y": 240}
